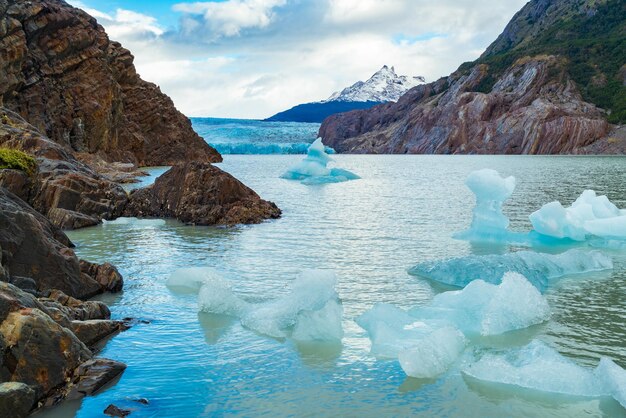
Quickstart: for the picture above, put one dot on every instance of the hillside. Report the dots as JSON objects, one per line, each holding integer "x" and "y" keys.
{"x": 553, "y": 82}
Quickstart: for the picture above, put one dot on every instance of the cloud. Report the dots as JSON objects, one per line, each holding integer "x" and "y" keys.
{"x": 253, "y": 58}
{"x": 226, "y": 18}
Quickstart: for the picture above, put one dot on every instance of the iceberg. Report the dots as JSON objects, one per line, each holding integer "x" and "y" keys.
{"x": 483, "y": 309}
{"x": 313, "y": 168}
{"x": 191, "y": 279}
{"x": 540, "y": 367}
{"x": 311, "y": 312}
{"x": 540, "y": 269}
{"x": 427, "y": 340}
{"x": 434, "y": 354}
{"x": 488, "y": 221}
{"x": 589, "y": 215}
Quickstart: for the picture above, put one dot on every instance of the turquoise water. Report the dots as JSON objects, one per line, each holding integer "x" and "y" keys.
{"x": 243, "y": 136}
{"x": 369, "y": 231}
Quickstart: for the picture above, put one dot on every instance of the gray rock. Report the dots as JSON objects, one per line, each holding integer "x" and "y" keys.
{"x": 16, "y": 399}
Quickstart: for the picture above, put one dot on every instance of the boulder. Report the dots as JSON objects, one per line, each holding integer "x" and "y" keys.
{"x": 16, "y": 399}
{"x": 106, "y": 274}
{"x": 93, "y": 330}
{"x": 93, "y": 375}
{"x": 201, "y": 194}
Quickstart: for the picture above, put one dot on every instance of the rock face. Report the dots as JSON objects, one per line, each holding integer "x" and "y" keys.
{"x": 60, "y": 71}
{"x": 69, "y": 192}
{"x": 201, "y": 194}
{"x": 34, "y": 248}
{"x": 532, "y": 92}
{"x": 528, "y": 111}
{"x": 42, "y": 355}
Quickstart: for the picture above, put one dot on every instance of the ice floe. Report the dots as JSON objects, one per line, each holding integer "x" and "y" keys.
{"x": 491, "y": 191}
{"x": 589, "y": 215}
{"x": 312, "y": 310}
{"x": 313, "y": 168}
{"x": 539, "y": 268}
{"x": 427, "y": 340}
{"x": 540, "y": 367}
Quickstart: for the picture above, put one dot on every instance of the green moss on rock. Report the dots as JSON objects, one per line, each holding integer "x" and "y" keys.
{"x": 17, "y": 160}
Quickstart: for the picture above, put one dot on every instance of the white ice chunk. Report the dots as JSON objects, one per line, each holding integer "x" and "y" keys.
{"x": 313, "y": 168}
{"x": 540, "y": 367}
{"x": 485, "y": 309}
{"x": 588, "y": 215}
{"x": 310, "y": 312}
{"x": 613, "y": 379}
{"x": 540, "y": 269}
{"x": 491, "y": 190}
{"x": 140, "y": 222}
{"x": 191, "y": 279}
{"x": 432, "y": 355}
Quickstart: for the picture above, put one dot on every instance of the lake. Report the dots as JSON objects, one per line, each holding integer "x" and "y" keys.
{"x": 403, "y": 210}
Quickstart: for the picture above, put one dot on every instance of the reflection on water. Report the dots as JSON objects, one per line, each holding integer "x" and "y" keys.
{"x": 369, "y": 231}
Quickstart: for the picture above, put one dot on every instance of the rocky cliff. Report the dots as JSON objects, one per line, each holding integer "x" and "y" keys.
{"x": 60, "y": 72}
{"x": 551, "y": 83}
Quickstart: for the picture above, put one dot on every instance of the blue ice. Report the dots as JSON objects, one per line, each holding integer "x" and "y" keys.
{"x": 541, "y": 368}
{"x": 489, "y": 224}
{"x": 589, "y": 216}
{"x": 311, "y": 312}
{"x": 427, "y": 340}
{"x": 265, "y": 148}
{"x": 539, "y": 268}
{"x": 313, "y": 168}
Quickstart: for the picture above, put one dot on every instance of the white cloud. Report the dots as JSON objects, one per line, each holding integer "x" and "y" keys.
{"x": 228, "y": 18}
{"x": 253, "y": 58}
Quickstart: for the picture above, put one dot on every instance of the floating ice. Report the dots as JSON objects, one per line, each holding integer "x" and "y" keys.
{"x": 311, "y": 312}
{"x": 427, "y": 340}
{"x": 434, "y": 354}
{"x": 491, "y": 190}
{"x": 589, "y": 215}
{"x": 313, "y": 170}
{"x": 540, "y": 269}
{"x": 191, "y": 279}
{"x": 144, "y": 223}
{"x": 540, "y": 367}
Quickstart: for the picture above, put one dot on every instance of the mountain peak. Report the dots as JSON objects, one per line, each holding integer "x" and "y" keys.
{"x": 384, "y": 86}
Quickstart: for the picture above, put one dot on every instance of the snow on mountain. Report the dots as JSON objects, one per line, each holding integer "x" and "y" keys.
{"x": 384, "y": 86}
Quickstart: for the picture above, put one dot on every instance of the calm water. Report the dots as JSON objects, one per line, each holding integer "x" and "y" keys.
{"x": 244, "y": 136}
{"x": 369, "y": 231}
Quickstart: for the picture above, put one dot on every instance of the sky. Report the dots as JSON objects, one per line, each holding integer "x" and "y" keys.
{"x": 253, "y": 58}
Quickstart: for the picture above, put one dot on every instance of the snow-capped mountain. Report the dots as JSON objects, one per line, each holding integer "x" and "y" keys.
{"x": 384, "y": 86}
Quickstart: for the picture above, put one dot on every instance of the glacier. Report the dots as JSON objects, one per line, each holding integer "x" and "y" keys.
{"x": 427, "y": 340}
{"x": 311, "y": 312}
{"x": 539, "y": 268}
{"x": 265, "y": 148}
{"x": 539, "y": 367}
{"x": 489, "y": 224}
{"x": 313, "y": 168}
{"x": 590, "y": 215}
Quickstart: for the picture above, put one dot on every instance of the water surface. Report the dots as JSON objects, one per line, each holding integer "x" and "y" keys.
{"x": 370, "y": 231}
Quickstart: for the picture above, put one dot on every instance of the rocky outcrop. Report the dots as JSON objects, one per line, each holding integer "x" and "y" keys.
{"x": 33, "y": 248}
{"x": 532, "y": 109}
{"x": 550, "y": 84}
{"x": 60, "y": 71}
{"x": 201, "y": 194}
{"x": 44, "y": 358}
{"x": 67, "y": 191}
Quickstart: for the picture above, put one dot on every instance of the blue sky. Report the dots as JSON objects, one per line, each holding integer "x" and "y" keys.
{"x": 253, "y": 58}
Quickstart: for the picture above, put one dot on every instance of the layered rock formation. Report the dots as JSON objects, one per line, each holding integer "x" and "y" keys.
{"x": 534, "y": 108}
{"x": 60, "y": 71}
{"x": 67, "y": 191}
{"x": 201, "y": 194}
{"x": 549, "y": 84}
